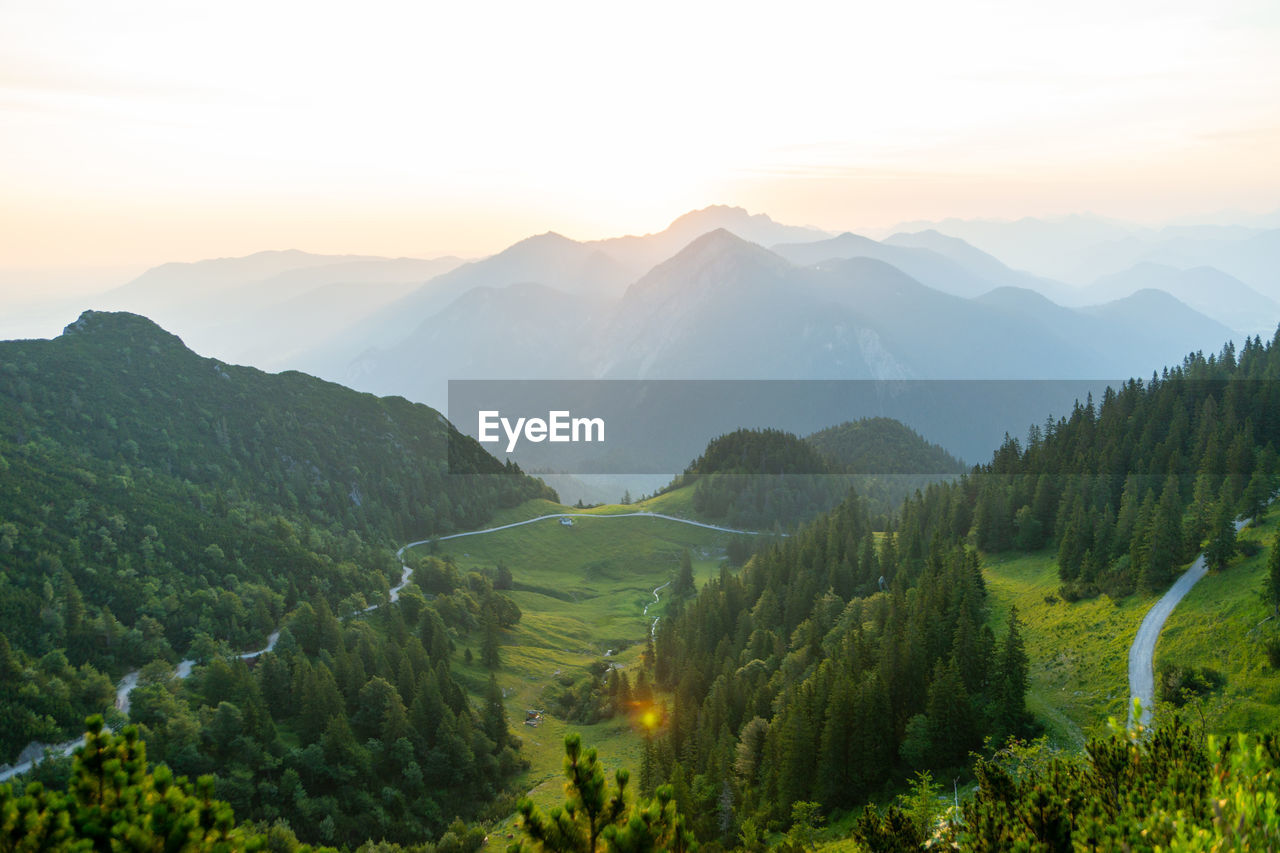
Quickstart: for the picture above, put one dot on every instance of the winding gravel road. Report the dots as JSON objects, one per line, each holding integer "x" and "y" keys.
{"x": 1143, "y": 651}
{"x": 183, "y": 669}
{"x": 579, "y": 515}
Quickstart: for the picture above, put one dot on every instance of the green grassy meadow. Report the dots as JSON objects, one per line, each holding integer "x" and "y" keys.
{"x": 1222, "y": 623}
{"x": 583, "y": 591}
{"x": 1079, "y": 652}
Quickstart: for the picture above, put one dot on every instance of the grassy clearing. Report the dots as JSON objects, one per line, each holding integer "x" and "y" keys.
{"x": 678, "y": 503}
{"x": 583, "y": 591}
{"x": 1079, "y": 652}
{"x": 1220, "y": 625}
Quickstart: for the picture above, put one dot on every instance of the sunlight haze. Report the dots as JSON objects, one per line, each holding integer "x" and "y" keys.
{"x": 142, "y": 132}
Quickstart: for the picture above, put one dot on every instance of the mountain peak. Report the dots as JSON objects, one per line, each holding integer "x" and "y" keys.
{"x": 719, "y": 258}
{"x": 718, "y": 213}
{"x": 718, "y": 237}
{"x": 121, "y": 326}
{"x": 721, "y": 243}
{"x": 754, "y": 227}
{"x": 547, "y": 238}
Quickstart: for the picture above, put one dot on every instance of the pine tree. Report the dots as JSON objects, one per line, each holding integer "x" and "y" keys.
{"x": 588, "y": 809}
{"x": 684, "y": 579}
{"x": 950, "y": 715}
{"x": 1222, "y": 540}
{"x": 1013, "y": 676}
{"x": 1255, "y": 497}
{"x": 1141, "y": 538}
{"x": 1164, "y": 540}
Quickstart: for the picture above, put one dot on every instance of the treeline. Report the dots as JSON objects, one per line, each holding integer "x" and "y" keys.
{"x": 347, "y": 730}
{"x": 838, "y": 661}
{"x": 1129, "y": 490}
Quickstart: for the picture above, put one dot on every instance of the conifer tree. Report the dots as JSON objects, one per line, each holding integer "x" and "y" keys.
{"x": 1013, "y": 676}
{"x": 1222, "y": 540}
{"x": 684, "y": 579}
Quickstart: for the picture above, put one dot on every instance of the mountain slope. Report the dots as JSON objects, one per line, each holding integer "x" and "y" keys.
{"x": 881, "y": 446}
{"x": 264, "y": 308}
{"x": 548, "y": 259}
{"x": 1057, "y": 247}
{"x": 924, "y": 265}
{"x": 521, "y": 331}
{"x": 174, "y": 283}
{"x": 1205, "y": 289}
{"x": 641, "y": 254}
{"x": 721, "y": 309}
{"x": 986, "y": 266}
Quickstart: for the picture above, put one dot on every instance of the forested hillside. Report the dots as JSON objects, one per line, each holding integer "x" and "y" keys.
{"x": 155, "y": 502}
{"x": 765, "y": 478}
{"x": 838, "y": 661}
{"x": 882, "y": 446}
{"x": 348, "y": 730}
{"x": 1130, "y": 489}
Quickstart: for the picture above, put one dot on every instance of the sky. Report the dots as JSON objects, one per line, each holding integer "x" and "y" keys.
{"x": 142, "y": 131}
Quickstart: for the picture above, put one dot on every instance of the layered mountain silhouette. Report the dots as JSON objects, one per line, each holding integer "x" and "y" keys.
{"x": 729, "y": 309}
{"x": 719, "y": 293}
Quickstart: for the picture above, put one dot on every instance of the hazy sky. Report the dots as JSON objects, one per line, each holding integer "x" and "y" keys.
{"x": 139, "y": 132}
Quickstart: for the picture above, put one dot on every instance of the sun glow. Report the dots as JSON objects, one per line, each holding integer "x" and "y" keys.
{"x": 146, "y": 131}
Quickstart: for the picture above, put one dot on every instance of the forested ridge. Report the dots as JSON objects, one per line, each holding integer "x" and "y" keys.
{"x": 881, "y": 446}
{"x": 769, "y": 478}
{"x": 156, "y": 505}
{"x": 1132, "y": 488}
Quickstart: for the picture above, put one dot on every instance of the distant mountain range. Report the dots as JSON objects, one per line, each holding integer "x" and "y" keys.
{"x": 725, "y": 308}
{"x": 1080, "y": 250}
{"x": 721, "y": 293}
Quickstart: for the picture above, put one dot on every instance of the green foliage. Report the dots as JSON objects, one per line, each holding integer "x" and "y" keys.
{"x": 346, "y": 731}
{"x": 115, "y": 802}
{"x": 1178, "y": 684}
{"x": 683, "y": 584}
{"x": 1135, "y": 790}
{"x": 894, "y": 831}
{"x": 806, "y": 818}
{"x": 1271, "y": 584}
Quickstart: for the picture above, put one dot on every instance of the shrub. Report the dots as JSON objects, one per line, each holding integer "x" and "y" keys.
{"x": 1177, "y": 684}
